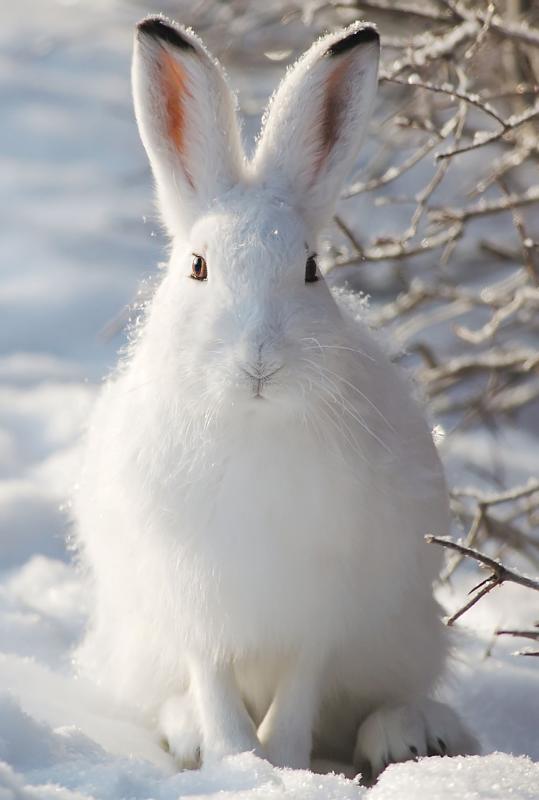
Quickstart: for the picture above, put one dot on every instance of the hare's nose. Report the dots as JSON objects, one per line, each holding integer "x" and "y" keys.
{"x": 259, "y": 359}
{"x": 261, "y": 371}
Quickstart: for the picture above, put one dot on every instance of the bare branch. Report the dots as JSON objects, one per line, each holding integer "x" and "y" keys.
{"x": 450, "y": 91}
{"x": 512, "y": 30}
{"x": 519, "y": 361}
{"x": 395, "y": 172}
{"x": 517, "y": 493}
{"x": 481, "y": 36}
{"x": 526, "y": 243}
{"x": 500, "y": 573}
{"x": 483, "y": 138}
{"x": 510, "y": 160}
{"x": 527, "y": 297}
{"x": 349, "y": 235}
{"x": 534, "y": 635}
{"x": 399, "y": 250}
{"x": 483, "y": 207}
{"x": 408, "y": 9}
{"x": 436, "y": 48}
{"x": 481, "y": 519}
{"x": 520, "y": 32}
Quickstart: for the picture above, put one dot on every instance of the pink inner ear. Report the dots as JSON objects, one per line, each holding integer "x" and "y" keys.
{"x": 331, "y": 112}
{"x": 174, "y": 89}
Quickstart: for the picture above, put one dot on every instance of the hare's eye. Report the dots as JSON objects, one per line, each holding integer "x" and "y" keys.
{"x": 199, "y": 270}
{"x": 310, "y": 270}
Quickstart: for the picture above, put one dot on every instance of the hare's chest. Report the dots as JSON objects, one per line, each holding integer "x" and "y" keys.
{"x": 278, "y": 500}
{"x": 267, "y": 543}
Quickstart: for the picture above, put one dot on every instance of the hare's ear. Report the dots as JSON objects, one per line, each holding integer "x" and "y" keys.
{"x": 317, "y": 119}
{"x": 187, "y": 120}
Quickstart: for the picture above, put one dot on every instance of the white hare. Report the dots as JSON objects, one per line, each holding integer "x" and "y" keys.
{"x": 258, "y": 479}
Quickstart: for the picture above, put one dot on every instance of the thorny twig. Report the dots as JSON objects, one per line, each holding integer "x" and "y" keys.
{"x": 523, "y": 634}
{"x": 500, "y": 574}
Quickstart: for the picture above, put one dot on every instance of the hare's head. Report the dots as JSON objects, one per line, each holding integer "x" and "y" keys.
{"x": 243, "y": 273}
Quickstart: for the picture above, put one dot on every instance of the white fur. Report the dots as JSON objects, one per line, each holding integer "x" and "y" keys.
{"x": 258, "y": 479}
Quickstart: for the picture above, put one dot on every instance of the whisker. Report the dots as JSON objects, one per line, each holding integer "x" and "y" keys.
{"x": 343, "y": 429}
{"x": 361, "y": 394}
{"x": 336, "y": 347}
{"x": 339, "y": 404}
{"x": 313, "y": 365}
{"x": 349, "y": 408}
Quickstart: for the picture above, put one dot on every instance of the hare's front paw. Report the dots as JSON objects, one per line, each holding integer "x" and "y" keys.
{"x": 402, "y": 733}
{"x": 287, "y": 749}
{"x": 180, "y": 731}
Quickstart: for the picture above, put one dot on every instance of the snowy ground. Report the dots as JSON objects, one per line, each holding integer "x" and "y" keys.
{"x": 77, "y": 237}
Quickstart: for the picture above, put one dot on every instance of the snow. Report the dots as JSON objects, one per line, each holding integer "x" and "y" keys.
{"x": 471, "y": 778}
{"x": 78, "y": 236}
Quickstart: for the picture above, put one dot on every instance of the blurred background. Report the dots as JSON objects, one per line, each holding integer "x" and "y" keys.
{"x": 443, "y": 243}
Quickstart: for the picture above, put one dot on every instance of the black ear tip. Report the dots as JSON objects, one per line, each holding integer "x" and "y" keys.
{"x": 367, "y": 34}
{"x": 161, "y": 28}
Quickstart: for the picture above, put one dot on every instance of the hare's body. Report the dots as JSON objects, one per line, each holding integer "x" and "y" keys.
{"x": 258, "y": 483}
{"x": 259, "y": 541}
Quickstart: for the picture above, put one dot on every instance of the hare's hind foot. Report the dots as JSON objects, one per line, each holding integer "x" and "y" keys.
{"x": 403, "y": 733}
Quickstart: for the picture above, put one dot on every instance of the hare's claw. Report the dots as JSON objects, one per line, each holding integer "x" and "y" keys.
{"x": 404, "y": 733}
